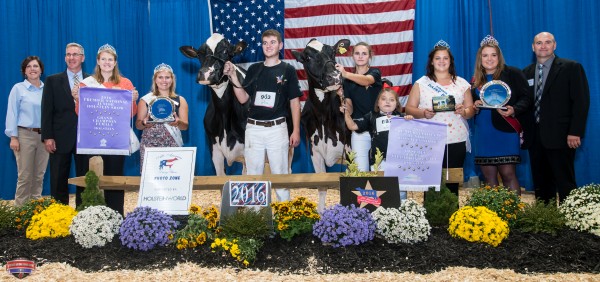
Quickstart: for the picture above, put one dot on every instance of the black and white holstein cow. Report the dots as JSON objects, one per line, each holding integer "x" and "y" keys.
{"x": 225, "y": 118}
{"x": 321, "y": 117}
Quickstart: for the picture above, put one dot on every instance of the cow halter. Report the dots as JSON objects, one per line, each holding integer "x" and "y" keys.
{"x": 320, "y": 79}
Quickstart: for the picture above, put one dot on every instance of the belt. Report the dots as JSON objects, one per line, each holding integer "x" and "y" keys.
{"x": 39, "y": 131}
{"x": 266, "y": 123}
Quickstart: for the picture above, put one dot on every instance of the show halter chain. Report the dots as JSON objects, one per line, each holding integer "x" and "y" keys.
{"x": 442, "y": 43}
{"x": 489, "y": 40}
{"x": 107, "y": 47}
{"x": 163, "y": 67}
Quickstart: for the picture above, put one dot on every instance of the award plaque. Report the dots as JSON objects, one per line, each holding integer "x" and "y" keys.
{"x": 161, "y": 110}
{"x": 494, "y": 95}
{"x": 443, "y": 103}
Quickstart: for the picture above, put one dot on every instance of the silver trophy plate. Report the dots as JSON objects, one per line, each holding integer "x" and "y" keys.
{"x": 161, "y": 110}
{"x": 495, "y": 94}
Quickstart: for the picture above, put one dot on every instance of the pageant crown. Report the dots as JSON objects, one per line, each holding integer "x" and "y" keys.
{"x": 489, "y": 40}
{"x": 163, "y": 67}
{"x": 442, "y": 43}
{"x": 107, "y": 47}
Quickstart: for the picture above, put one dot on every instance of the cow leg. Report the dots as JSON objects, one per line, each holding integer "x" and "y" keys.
{"x": 218, "y": 160}
{"x": 319, "y": 165}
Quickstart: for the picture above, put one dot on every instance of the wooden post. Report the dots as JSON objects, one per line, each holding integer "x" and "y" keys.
{"x": 97, "y": 166}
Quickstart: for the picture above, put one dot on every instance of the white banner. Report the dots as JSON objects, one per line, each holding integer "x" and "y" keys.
{"x": 167, "y": 179}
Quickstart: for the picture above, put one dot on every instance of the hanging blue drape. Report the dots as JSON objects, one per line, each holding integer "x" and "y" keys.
{"x": 148, "y": 32}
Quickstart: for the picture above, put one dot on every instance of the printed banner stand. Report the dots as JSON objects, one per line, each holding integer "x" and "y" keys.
{"x": 415, "y": 153}
{"x": 168, "y": 179}
{"x": 247, "y": 194}
{"x": 370, "y": 192}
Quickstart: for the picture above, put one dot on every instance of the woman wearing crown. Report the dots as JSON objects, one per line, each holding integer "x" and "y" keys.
{"x": 106, "y": 75}
{"x": 167, "y": 134}
{"x": 496, "y": 140}
{"x": 441, "y": 80}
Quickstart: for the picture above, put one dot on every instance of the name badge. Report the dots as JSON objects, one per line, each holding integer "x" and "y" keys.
{"x": 530, "y": 82}
{"x": 383, "y": 124}
{"x": 265, "y": 99}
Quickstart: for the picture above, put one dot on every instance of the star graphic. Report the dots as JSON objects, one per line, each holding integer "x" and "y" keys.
{"x": 367, "y": 188}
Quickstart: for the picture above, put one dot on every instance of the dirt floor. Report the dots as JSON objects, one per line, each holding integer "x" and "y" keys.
{"x": 570, "y": 256}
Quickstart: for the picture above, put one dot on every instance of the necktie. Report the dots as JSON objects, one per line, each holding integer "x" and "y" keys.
{"x": 75, "y": 89}
{"x": 75, "y": 81}
{"x": 538, "y": 92}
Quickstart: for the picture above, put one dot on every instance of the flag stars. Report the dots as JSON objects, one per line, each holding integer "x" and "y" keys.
{"x": 247, "y": 8}
{"x": 259, "y": 19}
{"x": 266, "y": 13}
{"x": 228, "y": 17}
{"x": 240, "y": 3}
{"x": 234, "y": 10}
{"x": 227, "y": 5}
{"x": 272, "y": 18}
{"x": 222, "y": 11}
{"x": 278, "y": 24}
{"x": 259, "y": 7}
{"x": 253, "y": 14}
{"x": 234, "y": 22}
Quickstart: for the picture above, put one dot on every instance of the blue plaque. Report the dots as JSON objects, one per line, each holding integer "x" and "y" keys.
{"x": 495, "y": 94}
{"x": 161, "y": 110}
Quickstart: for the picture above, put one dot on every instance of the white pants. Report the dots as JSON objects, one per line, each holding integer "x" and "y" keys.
{"x": 275, "y": 142}
{"x": 361, "y": 144}
{"x": 32, "y": 160}
{"x": 403, "y": 194}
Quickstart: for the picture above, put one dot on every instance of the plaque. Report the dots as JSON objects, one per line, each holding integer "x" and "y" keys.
{"x": 494, "y": 95}
{"x": 443, "y": 103}
{"x": 161, "y": 110}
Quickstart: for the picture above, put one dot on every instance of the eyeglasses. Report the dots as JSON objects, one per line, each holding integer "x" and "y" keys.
{"x": 73, "y": 55}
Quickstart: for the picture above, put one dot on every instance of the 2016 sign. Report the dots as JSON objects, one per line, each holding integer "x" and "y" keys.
{"x": 248, "y": 193}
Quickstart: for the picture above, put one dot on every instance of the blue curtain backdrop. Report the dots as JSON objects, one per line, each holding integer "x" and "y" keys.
{"x": 146, "y": 33}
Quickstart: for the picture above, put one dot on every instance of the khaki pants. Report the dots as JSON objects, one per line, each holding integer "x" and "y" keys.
{"x": 32, "y": 160}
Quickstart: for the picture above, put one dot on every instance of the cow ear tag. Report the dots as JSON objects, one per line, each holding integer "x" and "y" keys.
{"x": 341, "y": 49}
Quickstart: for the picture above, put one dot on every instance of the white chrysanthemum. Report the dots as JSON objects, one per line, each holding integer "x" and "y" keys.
{"x": 406, "y": 224}
{"x": 582, "y": 209}
{"x": 95, "y": 226}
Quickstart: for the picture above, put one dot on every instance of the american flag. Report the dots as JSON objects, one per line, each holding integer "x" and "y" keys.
{"x": 387, "y": 25}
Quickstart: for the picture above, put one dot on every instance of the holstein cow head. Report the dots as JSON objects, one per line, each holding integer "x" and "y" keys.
{"x": 212, "y": 55}
{"x": 319, "y": 63}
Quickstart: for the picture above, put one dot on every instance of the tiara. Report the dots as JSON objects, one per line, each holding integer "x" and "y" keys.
{"x": 107, "y": 47}
{"x": 442, "y": 43}
{"x": 163, "y": 67}
{"x": 489, "y": 40}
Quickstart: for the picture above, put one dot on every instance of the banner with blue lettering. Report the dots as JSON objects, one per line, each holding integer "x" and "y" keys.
{"x": 167, "y": 179}
{"x": 104, "y": 121}
{"x": 415, "y": 153}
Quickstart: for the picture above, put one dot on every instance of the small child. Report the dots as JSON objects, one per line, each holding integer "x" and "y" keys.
{"x": 377, "y": 122}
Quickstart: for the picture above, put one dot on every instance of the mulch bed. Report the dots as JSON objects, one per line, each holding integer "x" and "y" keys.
{"x": 569, "y": 251}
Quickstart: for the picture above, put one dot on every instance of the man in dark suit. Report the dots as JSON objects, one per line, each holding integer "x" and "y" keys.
{"x": 59, "y": 124}
{"x": 557, "y": 122}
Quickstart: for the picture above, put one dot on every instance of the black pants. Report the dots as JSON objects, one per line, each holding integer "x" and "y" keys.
{"x": 454, "y": 157}
{"x": 113, "y": 166}
{"x": 60, "y": 168}
{"x": 552, "y": 170}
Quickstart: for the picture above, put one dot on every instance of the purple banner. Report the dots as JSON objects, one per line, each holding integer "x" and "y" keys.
{"x": 104, "y": 121}
{"x": 415, "y": 153}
